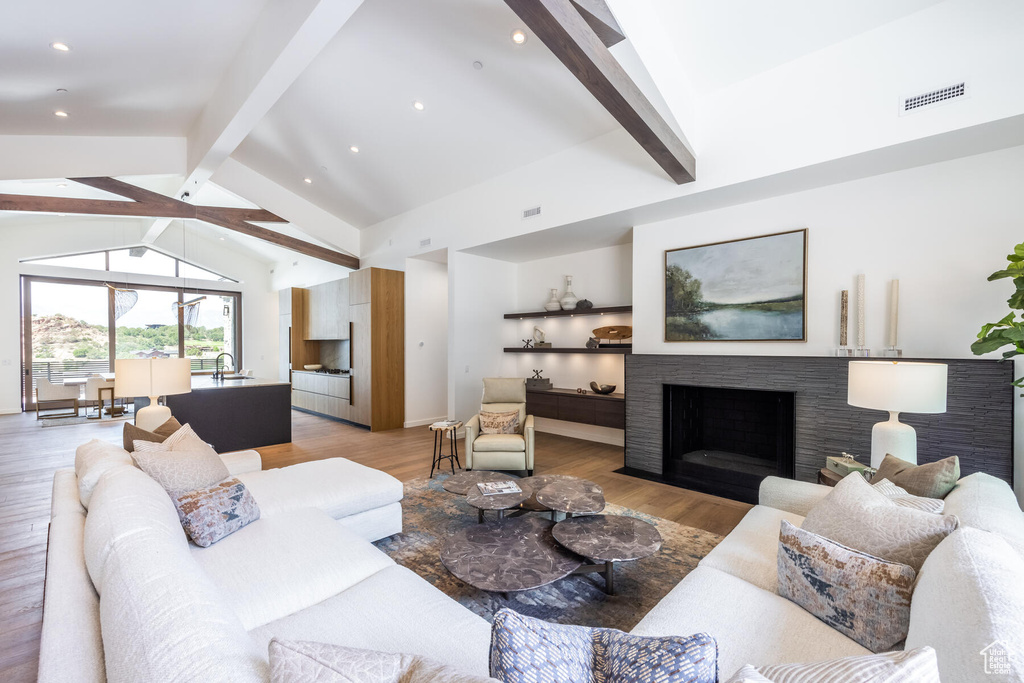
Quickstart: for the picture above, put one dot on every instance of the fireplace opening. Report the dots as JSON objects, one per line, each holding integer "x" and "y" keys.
{"x": 725, "y": 441}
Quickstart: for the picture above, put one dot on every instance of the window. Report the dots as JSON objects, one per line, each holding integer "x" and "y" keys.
{"x": 139, "y": 260}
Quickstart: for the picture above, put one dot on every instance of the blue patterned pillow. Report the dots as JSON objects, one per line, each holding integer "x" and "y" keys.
{"x": 210, "y": 514}
{"x": 527, "y": 650}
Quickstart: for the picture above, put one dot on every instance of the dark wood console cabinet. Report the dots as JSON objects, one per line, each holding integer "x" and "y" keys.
{"x": 603, "y": 410}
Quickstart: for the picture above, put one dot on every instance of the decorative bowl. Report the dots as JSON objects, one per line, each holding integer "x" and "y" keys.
{"x": 312, "y": 367}
{"x": 602, "y": 388}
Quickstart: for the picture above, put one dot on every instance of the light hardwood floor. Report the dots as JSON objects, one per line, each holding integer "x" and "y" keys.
{"x": 29, "y": 455}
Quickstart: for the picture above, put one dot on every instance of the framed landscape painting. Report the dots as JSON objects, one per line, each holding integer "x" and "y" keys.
{"x": 752, "y": 289}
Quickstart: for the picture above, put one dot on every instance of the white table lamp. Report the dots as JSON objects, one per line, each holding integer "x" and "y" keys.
{"x": 152, "y": 377}
{"x": 897, "y": 387}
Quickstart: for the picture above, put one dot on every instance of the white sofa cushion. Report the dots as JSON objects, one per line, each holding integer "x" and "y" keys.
{"x": 279, "y": 565}
{"x": 126, "y": 503}
{"x": 337, "y": 486}
{"x": 65, "y": 497}
{"x": 238, "y": 462}
{"x": 499, "y": 443}
{"x": 393, "y": 611}
{"x": 969, "y": 596}
{"x": 751, "y": 550}
{"x": 749, "y": 623}
{"x": 912, "y": 666}
{"x": 92, "y": 460}
{"x": 377, "y": 523}
{"x": 985, "y": 502}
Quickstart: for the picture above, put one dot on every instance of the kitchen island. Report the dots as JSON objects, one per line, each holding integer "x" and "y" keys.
{"x": 234, "y": 414}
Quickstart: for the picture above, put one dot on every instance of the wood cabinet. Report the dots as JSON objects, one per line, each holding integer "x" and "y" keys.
{"x": 378, "y": 348}
{"x": 295, "y": 350}
{"x": 603, "y": 410}
{"x": 327, "y": 315}
{"x": 322, "y": 393}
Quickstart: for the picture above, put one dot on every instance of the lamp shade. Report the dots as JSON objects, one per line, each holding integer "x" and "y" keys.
{"x": 897, "y": 387}
{"x": 152, "y": 376}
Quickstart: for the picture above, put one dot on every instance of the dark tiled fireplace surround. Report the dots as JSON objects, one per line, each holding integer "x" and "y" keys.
{"x": 977, "y": 425}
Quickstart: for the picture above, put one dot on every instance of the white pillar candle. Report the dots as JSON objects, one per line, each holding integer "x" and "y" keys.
{"x": 894, "y": 309}
{"x": 860, "y": 311}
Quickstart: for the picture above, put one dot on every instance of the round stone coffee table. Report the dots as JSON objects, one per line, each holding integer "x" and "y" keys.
{"x": 607, "y": 539}
{"x": 573, "y": 497}
{"x": 498, "y": 501}
{"x": 535, "y": 484}
{"x": 462, "y": 482}
{"x": 515, "y": 555}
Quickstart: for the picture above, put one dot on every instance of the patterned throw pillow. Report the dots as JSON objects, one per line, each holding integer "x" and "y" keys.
{"x": 860, "y": 517}
{"x": 183, "y": 462}
{"x": 901, "y": 497}
{"x": 527, "y": 650}
{"x": 302, "y": 662}
{"x": 184, "y": 439}
{"x": 932, "y": 480}
{"x": 916, "y": 666}
{"x": 210, "y": 514}
{"x": 132, "y": 433}
{"x": 863, "y": 597}
{"x": 499, "y": 423}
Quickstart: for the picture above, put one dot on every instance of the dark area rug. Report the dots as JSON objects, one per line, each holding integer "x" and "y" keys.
{"x": 431, "y": 514}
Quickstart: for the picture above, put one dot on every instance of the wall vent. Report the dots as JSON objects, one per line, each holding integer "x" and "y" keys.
{"x": 932, "y": 98}
{"x": 425, "y": 243}
{"x": 530, "y": 213}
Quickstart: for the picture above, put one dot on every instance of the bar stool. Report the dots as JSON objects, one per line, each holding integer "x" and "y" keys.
{"x": 440, "y": 429}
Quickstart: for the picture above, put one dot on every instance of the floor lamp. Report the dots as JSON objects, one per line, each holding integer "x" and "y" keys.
{"x": 896, "y": 387}
{"x": 152, "y": 377}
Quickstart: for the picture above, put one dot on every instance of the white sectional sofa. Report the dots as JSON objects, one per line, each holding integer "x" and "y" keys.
{"x": 128, "y": 598}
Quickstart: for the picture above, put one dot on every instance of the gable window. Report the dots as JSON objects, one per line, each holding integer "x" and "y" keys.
{"x": 137, "y": 260}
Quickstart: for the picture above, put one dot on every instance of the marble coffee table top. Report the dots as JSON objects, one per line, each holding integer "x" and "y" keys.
{"x": 497, "y": 501}
{"x": 513, "y": 555}
{"x": 536, "y": 483}
{"x": 462, "y": 482}
{"x": 608, "y": 538}
{"x": 576, "y": 496}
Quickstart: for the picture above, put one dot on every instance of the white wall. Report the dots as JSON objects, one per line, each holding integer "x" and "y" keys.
{"x": 426, "y": 342}
{"x": 940, "y": 229}
{"x": 38, "y": 237}
{"x": 481, "y": 291}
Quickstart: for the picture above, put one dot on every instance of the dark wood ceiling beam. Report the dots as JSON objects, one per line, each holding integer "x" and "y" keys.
{"x": 600, "y": 18}
{"x": 563, "y": 29}
{"x": 148, "y": 204}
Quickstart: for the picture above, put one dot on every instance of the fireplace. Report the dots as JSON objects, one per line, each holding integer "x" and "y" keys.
{"x": 725, "y": 441}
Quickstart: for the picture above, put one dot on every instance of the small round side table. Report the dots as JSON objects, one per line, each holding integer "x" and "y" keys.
{"x": 440, "y": 429}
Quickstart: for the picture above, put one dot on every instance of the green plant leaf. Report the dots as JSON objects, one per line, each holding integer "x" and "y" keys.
{"x": 1019, "y": 249}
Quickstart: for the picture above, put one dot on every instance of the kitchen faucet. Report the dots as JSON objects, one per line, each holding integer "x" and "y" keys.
{"x": 217, "y": 372}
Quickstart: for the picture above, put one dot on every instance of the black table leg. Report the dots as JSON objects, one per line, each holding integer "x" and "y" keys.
{"x": 609, "y": 578}
{"x": 435, "y": 454}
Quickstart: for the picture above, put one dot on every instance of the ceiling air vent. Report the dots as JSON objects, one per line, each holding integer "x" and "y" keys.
{"x": 929, "y": 99}
{"x": 530, "y": 213}
{"x": 425, "y": 243}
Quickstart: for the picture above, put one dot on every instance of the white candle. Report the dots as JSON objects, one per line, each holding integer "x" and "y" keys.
{"x": 894, "y": 309}
{"x": 860, "y": 311}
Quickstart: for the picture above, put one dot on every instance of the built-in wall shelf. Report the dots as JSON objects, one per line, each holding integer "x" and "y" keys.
{"x": 562, "y": 314}
{"x": 621, "y": 350}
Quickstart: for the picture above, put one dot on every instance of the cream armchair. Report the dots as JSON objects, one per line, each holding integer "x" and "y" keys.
{"x": 48, "y": 392}
{"x": 92, "y": 393}
{"x": 501, "y": 451}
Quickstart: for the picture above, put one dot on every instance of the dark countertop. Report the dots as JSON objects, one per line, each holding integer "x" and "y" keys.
{"x": 572, "y": 392}
{"x": 205, "y": 382}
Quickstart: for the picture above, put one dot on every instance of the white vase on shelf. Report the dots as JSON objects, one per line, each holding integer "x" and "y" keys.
{"x": 553, "y": 304}
{"x": 569, "y": 299}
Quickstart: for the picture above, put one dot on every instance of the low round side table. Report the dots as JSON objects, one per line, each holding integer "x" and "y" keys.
{"x": 605, "y": 540}
{"x": 572, "y": 496}
{"x": 438, "y": 456}
{"x": 499, "y": 501}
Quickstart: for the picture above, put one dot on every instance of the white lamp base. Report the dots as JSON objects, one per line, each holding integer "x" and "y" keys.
{"x": 152, "y": 416}
{"x": 895, "y": 438}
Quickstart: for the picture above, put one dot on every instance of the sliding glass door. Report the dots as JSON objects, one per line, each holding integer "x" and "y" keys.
{"x": 73, "y": 329}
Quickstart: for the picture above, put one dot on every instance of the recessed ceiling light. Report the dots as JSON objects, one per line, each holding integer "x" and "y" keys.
{"x": 221, "y": 239}
{"x": 519, "y": 36}
{"x": 62, "y": 114}
{"x": 354, "y": 149}
{"x": 308, "y": 181}
{"x": 418, "y": 106}
{"x": 62, "y": 184}
{"x": 478, "y": 65}
{"x": 60, "y": 47}
{"x": 62, "y": 91}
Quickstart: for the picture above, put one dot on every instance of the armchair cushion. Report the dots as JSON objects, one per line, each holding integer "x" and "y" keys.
{"x": 519, "y": 408}
{"x": 499, "y": 443}
{"x": 504, "y": 390}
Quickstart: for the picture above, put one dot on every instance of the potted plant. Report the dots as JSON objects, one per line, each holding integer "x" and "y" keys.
{"x": 1009, "y": 330}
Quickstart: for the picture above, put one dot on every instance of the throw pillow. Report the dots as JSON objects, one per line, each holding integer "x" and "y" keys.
{"x": 184, "y": 439}
{"x": 901, "y": 497}
{"x": 862, "y": 597}
{"x": 525, "y": 650}
{"x": 933, "y": 480}
{"x": 158, "y": 435}
{"x": 301, "y": 662}
{"x": 861, "y": 518}
{"x": 919, "y": 666}
{"x": 92, "y": 461}
{"x": 210, "y": 514}
{"x": 499, "y": 423}
{"x": 181, "y": 463}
